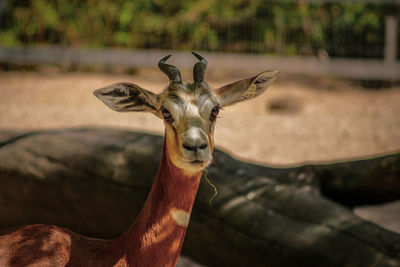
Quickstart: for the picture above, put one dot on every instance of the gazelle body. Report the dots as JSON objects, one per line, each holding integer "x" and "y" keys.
{"x": 156, "y": 236}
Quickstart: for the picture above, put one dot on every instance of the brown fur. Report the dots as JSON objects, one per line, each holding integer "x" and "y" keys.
{"x": 154, "y": 239}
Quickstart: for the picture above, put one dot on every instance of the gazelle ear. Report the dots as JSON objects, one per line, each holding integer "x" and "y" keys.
{"x": 128, "y": 97}
{"x": 245, "y": 89}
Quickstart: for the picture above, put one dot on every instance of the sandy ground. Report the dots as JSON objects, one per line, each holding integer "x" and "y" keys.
{"x": 297, "y": 120}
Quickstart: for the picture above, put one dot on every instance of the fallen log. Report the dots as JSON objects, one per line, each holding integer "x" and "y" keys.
{"x": 94, "y": 181}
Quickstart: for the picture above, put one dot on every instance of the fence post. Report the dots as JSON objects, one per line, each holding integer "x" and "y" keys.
{"x": 2, "y": 6}
{"x": 390, "y": 53}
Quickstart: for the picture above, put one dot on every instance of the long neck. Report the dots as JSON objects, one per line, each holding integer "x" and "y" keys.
{"x": 156, "y": 236}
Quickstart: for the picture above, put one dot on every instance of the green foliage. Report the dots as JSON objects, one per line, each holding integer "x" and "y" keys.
{"x": 289, "y": 27}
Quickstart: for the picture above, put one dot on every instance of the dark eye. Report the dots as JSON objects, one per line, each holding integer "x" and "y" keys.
{"x": 167, "y": 115}
{"x": 214, "y": 113}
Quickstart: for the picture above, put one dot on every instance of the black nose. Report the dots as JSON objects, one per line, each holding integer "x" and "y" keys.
{"x": 194, "y": 146}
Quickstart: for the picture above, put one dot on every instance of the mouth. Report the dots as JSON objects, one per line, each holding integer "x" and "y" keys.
{"x": 196, "y": 161}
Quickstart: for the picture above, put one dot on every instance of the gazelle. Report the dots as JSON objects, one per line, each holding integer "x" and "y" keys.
{"x": 156, "y": 236}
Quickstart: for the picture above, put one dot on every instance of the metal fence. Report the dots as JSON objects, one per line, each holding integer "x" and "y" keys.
{"x": 321, "y": 41}
{"x": 325, "y": 30}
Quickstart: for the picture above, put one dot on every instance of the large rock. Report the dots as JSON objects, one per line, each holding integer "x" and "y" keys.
{"x": 94, "y": 181}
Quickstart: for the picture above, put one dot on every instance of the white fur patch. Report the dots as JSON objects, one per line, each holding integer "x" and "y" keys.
{"x": 181, "y": 217}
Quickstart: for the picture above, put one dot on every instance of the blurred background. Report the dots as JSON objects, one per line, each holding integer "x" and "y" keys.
{"x": 323, "y": 30}
{"x": 338, "y": 95}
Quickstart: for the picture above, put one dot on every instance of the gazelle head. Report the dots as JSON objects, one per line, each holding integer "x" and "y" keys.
{"x": 189, "y": 110}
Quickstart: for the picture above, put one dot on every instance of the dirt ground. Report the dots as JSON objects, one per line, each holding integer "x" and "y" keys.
{"x": 297, "y": 120}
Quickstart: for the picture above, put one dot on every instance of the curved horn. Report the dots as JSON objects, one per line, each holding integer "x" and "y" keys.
{"x": 199, "y": 68}
{"x": 171, "y": 71}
